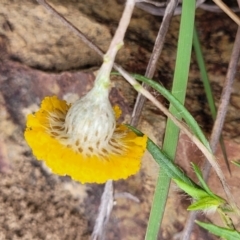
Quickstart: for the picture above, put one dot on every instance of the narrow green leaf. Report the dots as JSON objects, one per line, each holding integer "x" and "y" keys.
{"x": 207, "y": 203}
{"x": 193, "y": 191}
{"x": 204, "y": 74}
{"x": 204, "y": 185}
{"x": 225, "y": 233}
{"x": 207, "y": 88}
{"x": 135, "y": 130}
{"x": 237, "y": 163}
{"x": 201, "y": 180}
{"x": 167, "y": 165}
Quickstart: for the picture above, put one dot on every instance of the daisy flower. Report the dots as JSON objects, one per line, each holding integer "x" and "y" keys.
{"x": 83, "y": 140}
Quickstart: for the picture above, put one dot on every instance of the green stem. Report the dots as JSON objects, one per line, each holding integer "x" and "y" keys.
{"x": 172, "y": 132}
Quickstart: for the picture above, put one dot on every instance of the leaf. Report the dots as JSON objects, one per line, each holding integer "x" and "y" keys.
{"x": 166, "y": 164}
{"x": 225, "y": 233}
{"x": 206, "y": 203}
{"x": 193, "y": 191}
{"x": 203, "y": 183}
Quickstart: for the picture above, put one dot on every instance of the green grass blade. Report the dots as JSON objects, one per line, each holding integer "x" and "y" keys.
{"x": 204, "y": 75}
{"x": 172, "y": 132}
{"x": 225, "y": 233}
{"x": 207, "y": 87}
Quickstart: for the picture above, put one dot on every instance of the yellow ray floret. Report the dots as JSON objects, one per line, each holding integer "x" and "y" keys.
{"x": 53, "y": 140}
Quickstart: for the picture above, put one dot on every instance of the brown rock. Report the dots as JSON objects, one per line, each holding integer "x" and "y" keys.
{"x": 39, "y": 40}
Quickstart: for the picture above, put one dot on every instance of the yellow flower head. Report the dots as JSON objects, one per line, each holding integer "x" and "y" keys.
{"x": 83, "y": 140}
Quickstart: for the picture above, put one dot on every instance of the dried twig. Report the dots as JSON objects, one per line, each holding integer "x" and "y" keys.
{"x": 69, "y": 25}
{"x": 157, "y": 9}
{"x": 157, "y": 4}
{"x": 154, "y": 58}
{"x": 105, "y": 210}
{"x": 228, "y": 11}
{"x": 126, "y": 195}
{"x": 215, "y": 8}
{"x": 224, "y": 100}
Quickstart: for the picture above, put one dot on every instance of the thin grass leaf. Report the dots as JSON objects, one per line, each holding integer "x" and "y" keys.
{"x": 207, "y": 88}
{"x": 225, "y": 233}
{"x": 204, "y": 75}
{"x": 201, "y": 180}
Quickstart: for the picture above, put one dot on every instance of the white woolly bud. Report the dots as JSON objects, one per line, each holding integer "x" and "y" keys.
{"x": 89, "y": 125}
{"x": 90, "y": 122}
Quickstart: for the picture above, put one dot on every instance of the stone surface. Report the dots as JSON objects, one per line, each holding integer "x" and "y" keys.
{"x": 36, "y": 38}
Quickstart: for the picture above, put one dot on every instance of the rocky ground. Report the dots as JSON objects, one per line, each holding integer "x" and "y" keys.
{"x": 41, "y": 57}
